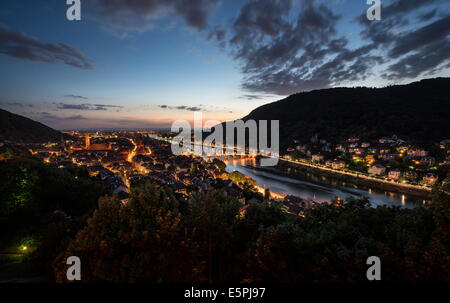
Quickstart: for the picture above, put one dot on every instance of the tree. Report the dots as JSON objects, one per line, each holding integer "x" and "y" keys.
{"x": 219, "y": 164}
{"x": 43, "y": 203}
{"x": 242, "y": 179}
{"x": 210, "y": 219}
{"x": 137, "y": 242}
{"x": 267, "y": 194}
{"x": 158, "y": 237}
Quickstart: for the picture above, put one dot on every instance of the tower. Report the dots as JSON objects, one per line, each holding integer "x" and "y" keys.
{"x": 88, "y": 142}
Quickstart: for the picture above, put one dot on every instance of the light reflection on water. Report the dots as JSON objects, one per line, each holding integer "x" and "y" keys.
{"x": 319, "y": 188}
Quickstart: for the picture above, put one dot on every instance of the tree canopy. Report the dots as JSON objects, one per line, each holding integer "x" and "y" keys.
{"x": 211, "y": 238}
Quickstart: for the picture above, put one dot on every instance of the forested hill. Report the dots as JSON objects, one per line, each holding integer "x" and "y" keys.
{"x": 21, "y": 129}
{"x": 418, "y": 112}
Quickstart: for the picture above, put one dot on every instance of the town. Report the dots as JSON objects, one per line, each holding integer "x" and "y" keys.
{"x": 124, "y": 159}
{"x": 388, "y": 159}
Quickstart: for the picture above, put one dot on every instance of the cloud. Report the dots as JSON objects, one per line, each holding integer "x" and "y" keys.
{"x": 106, "y": 107}
{"x": 410, "y": 53}
{"x": 437, "y": 31}
{"x": 76, "y": 117}
{"x": 427, "y": 16}
{"x": 139, "y": 15}
{"x": 284, "y": 47}
{"x": 17, "y": 104}
{"x": 75, "y": 97}
{"x": 218, "y": 34}
{"x": 251, "y": 97}
{"x": 192, "y": 109}
{"x": 183, "y": 107}
{"x": 74, "y": 106}
{"x": 429, "y": 60}
{"x": 401, "y": 7}
{"x": 282, "y": 55}
{"x": 86, "y": 106}
{"x": 49, "y": 116}
{"x": 200, "y": 107}
{"x": 82, "y": 122}
{"x": 22, "y": 46}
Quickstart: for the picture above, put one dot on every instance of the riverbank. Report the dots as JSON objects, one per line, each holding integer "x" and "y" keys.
{"x": 361, "y": 180}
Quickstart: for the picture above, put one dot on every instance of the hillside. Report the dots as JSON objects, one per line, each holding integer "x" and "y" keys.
{"x": 21, "y": 129}
{"x": 418, "y": 112}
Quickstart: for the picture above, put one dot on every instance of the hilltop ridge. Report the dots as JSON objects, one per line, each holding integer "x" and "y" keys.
{"x": 418, "y": 112}
{"x": 21, "y": 129}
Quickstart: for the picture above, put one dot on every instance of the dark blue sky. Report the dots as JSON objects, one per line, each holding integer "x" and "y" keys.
{"x": 145, "y": 63}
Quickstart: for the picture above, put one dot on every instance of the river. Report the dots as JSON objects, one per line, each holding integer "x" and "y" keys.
{"x": 319, "y": 188}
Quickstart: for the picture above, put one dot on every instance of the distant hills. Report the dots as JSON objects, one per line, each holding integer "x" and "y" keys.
{"x": 418, "y": 112}
{"x": 21, "y": 129}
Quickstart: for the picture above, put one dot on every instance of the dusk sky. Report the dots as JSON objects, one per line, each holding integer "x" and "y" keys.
{"x": 144, "y": 64}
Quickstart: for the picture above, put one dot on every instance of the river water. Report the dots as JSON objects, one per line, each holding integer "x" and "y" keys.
{"x": 319, "y": 188}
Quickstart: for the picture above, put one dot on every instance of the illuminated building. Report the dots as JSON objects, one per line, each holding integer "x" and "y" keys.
{"x": 88, "y": 142}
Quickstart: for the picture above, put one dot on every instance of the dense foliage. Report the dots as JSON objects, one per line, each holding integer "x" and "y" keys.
{"x": 210, "y": 238}
{"x": 41, "y": 205}
{"x": 219, "y": 164}
{"x": 159, "y": 236}
{"x": 241, "y": 179}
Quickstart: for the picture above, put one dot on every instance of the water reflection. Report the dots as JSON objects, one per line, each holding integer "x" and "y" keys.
{"x": 320, "y": 188}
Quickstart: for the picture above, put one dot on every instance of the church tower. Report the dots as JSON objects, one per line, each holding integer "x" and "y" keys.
{"x": 88, "y": 142}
